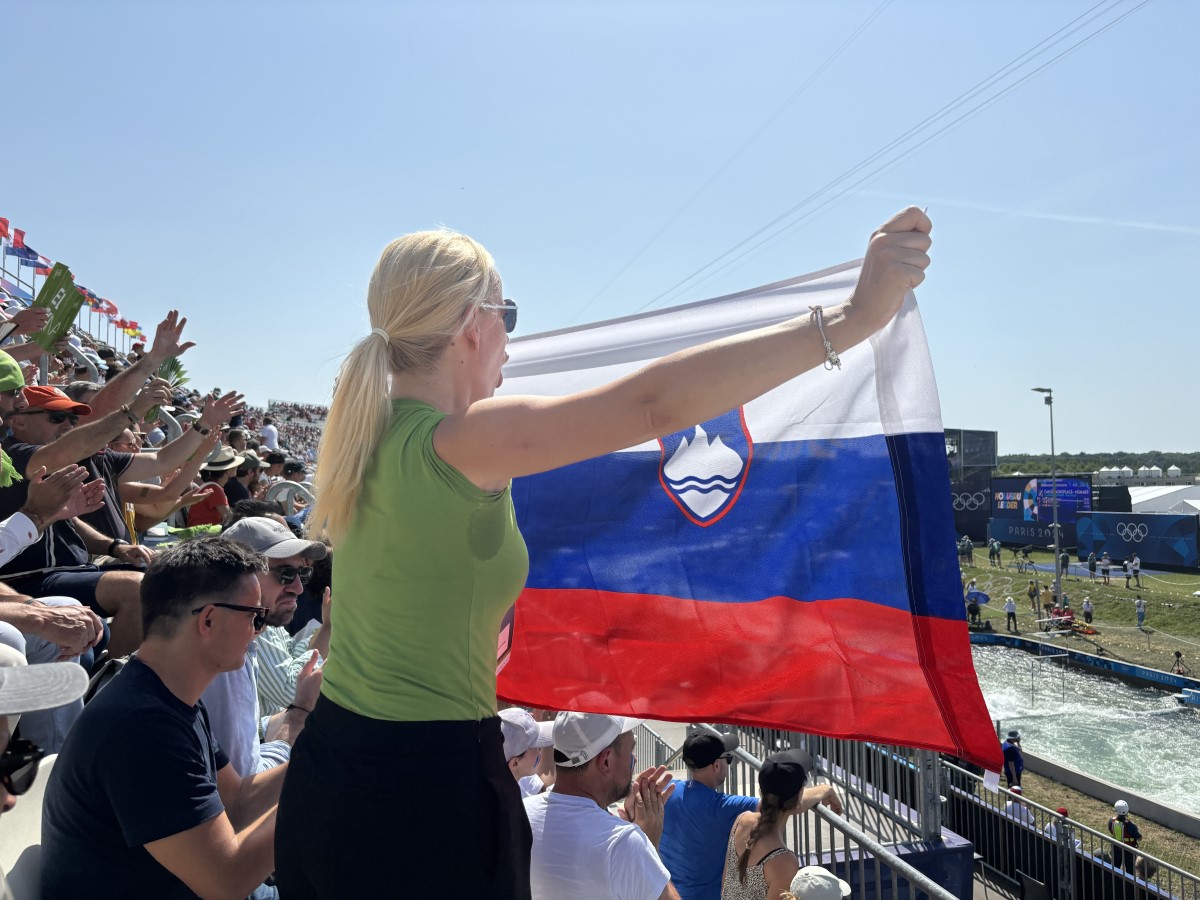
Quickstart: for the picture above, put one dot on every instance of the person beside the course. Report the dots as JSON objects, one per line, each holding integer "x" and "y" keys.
{"x": 1135, "y": 566}
{"x": 1010, "y": 615}
{"x": 1139, "y": 606}
{"x": 1088, "y": 609}
{"x": 413, "y": 489}
{"x": 1126, "y": 834}
{"x": 1014, "y": 760}
{"x": 758, "y": 863}
{"x": 1032, "y": 594}
{"x": 1105, "y": 567}
{"x": 1091, "y": 565}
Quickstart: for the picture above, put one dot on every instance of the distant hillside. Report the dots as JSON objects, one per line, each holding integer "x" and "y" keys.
{"x": 1037, "y": 463}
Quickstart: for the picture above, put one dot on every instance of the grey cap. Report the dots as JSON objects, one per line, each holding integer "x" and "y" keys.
{"x": 272, "y": 539}
{"x": 25, "y": 688}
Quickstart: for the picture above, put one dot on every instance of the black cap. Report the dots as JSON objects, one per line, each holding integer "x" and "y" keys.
{"x": 292, "y": 465}
{"x": 704, "y": 749}
{"x": 275, "y": 457}
{"x": 785, "y": 774}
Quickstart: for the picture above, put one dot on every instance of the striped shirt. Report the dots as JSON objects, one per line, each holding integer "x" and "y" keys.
{"x": 280, "y": 659}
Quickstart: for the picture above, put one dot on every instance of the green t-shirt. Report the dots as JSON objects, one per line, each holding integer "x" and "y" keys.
{"x": 425, "y": 574}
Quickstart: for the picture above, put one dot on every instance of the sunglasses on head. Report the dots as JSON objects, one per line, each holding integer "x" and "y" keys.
{"x": 288, "y": 574}
{"x": 510, "y": 313}
{"x": 19, "y": 766}
{"x": 56, "y": 418}
{"x": 260, "y": 612}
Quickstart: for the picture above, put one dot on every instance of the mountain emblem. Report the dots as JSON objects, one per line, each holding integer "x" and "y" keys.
{"x": 704, "y": 468}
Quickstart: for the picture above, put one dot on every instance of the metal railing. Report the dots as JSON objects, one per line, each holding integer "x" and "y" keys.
{"x": 1016, "y": 837}
{"x": 856, "y": 853}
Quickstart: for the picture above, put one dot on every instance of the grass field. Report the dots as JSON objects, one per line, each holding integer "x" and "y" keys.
{"x": 1172, "y": 613}
{"x": 1172, "y": 623}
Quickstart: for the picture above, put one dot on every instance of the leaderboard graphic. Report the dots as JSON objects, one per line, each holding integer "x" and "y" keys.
{"x": 1022, "y": 508}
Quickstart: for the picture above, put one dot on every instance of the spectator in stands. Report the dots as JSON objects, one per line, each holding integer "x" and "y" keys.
{"x": 815, "y": 883}
{"x": 142, "y": 801}
{"x": 293, "y": 470}
{"x": 217, "y": 470}
{"x": 524, "y": 741}
{"x": 580, "y": 850}
{"x": 758, "y": 862}
{"x": 1014, "y": 760}
{"x": 238, "y": 485}
{"x": 236, "y": 438}
{"x": 698, "y": 817}
{"x": 1125, "y": 834}
{"x": 232, "y": 697}
{"x": 49, "y": 629}
{"x": 415, "y": 466}
{"x": 274, "y": 471}
{"x": 25, "y": 690}
{"x": 269, "y": 434}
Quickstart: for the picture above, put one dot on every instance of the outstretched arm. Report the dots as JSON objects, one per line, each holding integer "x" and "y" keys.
{"x": 501, "y": 438}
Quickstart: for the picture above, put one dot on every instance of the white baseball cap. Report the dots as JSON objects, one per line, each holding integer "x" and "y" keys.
{"x": 580, "y": 737}
{"x": 25, "y": 688}
{"x": 521, "y": 732}
{"x": 815, "y": 883}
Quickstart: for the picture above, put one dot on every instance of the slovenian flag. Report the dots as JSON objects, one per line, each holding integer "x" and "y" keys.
{"x": 788, "y": 564}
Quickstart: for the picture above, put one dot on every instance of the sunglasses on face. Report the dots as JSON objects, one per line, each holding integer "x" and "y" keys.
{"x": 19, "y": 766}
{"x": 56, "y": 418}
{"x": 728, "y": 757}
{"x": 260, "y": 612}
{"x": 510, "y": 313}
{"x": 288, "y": 574}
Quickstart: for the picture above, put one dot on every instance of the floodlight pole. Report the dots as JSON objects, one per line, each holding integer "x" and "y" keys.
{"x": 1049, "y": 398}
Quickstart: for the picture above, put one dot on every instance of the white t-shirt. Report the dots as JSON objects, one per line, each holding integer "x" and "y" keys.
{"x": 583, "y": 852}
{"x": 270, "y": 437}
{"x": 1010, "y": 605}
{"x": 530, "y": 785}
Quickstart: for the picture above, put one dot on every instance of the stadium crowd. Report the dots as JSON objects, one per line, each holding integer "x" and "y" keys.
{"x": 165, "y": 782}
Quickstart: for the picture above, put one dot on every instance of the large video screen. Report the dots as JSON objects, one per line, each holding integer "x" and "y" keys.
{"x": 1030, "y": 499}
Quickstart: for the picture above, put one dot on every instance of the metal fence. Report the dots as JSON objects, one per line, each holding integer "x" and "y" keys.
{"x": 855, "y": 852}
{"x": 1022, "y": 842}
{"x": 901, "y": 795}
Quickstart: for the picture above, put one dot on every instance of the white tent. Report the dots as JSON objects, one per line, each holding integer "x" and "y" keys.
{"x": 1161, "y": 498}
{"x": 1185, "y": 508}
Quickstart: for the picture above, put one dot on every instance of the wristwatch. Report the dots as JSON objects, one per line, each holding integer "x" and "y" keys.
{"x": 201, "y": 430}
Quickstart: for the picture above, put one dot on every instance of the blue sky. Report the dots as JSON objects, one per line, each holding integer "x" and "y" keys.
{"x": 246, "y": 162}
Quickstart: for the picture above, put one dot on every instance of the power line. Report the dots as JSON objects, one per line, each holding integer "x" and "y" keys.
{"x": 895, "y": 161}
{"x": 1075, "y": 25}
{"x": 829, "y": 61}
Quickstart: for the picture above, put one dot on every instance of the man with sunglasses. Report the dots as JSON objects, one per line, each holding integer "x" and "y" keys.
{"x": 142, "y": 801}
{"x": 232, "y": 697}
{"x": 23, "y": 690}
{"x": 698, "y": 817}
{"x": 51, "y": 431}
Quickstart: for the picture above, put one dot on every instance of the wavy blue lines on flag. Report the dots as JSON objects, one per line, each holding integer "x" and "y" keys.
{"x": 788, "y": 564}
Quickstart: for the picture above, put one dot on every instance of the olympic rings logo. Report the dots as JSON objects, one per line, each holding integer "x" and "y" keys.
{"x": 1132, "y": 533}
{"x": 970, "y": 502}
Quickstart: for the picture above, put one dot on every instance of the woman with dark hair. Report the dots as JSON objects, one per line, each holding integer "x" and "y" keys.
{"x": 758, "y": 863}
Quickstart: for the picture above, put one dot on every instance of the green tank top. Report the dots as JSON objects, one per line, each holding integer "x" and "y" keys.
{"x": 427, "y": 570}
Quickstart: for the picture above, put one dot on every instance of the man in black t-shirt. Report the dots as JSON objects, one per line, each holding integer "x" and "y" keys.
{"x": 142, "y": 800}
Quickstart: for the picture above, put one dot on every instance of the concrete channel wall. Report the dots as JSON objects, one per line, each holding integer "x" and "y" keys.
{"x": 1163, "y": 813}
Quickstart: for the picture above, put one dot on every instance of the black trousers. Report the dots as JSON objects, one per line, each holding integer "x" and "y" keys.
{"x": 400, "y": 809}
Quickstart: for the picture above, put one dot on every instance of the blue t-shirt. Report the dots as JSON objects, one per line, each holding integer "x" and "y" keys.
{"x": 696, "y": 826}
{"x": 138, "y": 765}
{"x": 1014, "y": 761}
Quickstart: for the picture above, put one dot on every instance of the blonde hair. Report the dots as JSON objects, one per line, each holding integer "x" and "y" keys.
{"x": 421, "y": 292}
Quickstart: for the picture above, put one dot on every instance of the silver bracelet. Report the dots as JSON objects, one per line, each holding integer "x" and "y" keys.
{"x": 831, "y": 357}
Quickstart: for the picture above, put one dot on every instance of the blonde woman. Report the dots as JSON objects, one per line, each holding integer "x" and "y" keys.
{"x": 413, "y": 490}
